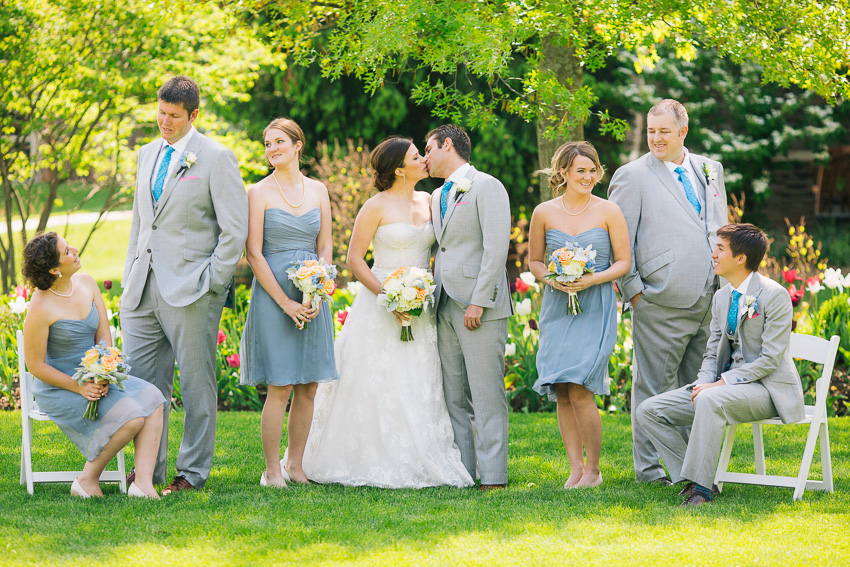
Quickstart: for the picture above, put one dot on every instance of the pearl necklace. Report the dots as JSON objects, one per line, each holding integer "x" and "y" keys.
{"x": 564, "y": 205}
{"x": 280, "y": 190}
{"x": 69, "y": 294}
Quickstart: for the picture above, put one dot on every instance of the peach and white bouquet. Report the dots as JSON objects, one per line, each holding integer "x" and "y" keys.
{"x": 314, "y": 279}
{"x": 568, "y": 264}
{"x": 101, "y": 363}
{"x": 407, "y": 290}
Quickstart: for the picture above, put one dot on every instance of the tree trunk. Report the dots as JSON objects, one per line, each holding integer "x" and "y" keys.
{"x": 561, "y": 61}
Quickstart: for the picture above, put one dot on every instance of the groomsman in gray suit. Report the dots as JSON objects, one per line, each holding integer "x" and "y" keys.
{"x": 190, "y": 222}
{"x": 747, "y": 373}
{"x": 472, "y": 220}
{"x": 674, "y": 202}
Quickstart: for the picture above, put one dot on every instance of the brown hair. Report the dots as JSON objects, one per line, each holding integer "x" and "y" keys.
{"x": 564, "y": 158}
{"x": 289, "y": 127}
{"x": 746, "y": 239}
{"x": 180, "y": 90}
{"x": 460, "y": 139}
{"x": 386, "y": 158}
{"x": 40, "y": 256}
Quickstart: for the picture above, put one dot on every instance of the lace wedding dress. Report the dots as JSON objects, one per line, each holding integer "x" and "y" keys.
{"x": 384, "y": 422}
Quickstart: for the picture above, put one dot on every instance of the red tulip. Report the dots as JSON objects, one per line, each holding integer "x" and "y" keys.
{"x": 341, "y": 316}
{"x": 221, "y": 337}
{"x": 521, "y": 286}
{"x": 233, "y": 360}
{"x": 107, "y": 284}
{"x": 790, "y": 276}
{"x": 532, "y": 323}
{"x": 796, "y": 294}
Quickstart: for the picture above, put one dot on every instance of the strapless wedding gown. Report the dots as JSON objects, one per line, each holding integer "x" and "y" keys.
{"x": 384, "y": 422}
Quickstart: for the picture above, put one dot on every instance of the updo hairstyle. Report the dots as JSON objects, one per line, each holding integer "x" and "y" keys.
{"x": 291, "y": 129}
{"x": 564, "y": 158}
{"x": 386, "y": 158}
{"x": 40, "y": 256}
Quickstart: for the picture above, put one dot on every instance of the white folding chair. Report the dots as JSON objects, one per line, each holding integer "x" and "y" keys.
{"x": 819, "y": 351}
{"x": 30, "y": 414}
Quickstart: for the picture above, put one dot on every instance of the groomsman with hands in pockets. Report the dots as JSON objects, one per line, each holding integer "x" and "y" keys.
{"x": 190, "y": 223}
{"x": 747, "y": 373}
{"x": 674, "y": 202}
{"x": 472, "y": 220}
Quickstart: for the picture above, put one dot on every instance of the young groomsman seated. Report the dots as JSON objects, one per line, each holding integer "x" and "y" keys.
{"x": 746, "y": 375}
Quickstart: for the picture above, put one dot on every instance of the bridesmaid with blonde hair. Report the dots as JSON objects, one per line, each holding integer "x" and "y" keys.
{"x": 572, "y": 361}
{"x": 286, "y": 345}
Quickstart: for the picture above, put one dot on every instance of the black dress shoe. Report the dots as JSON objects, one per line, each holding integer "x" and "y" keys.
{"x": 131, "y": 476}
{"x": 664, "y": 481}
{"x": 689, "y": 489}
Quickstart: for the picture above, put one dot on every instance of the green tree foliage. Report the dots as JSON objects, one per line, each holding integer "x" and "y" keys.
{"x": 795, "y": 42}
{"x": 77, "y": 88}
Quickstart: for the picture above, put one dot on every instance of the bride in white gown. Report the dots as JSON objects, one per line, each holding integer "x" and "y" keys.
{"x": 384, "y": 422}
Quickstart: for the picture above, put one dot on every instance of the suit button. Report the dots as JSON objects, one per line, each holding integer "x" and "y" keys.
{"x": 154, "y": 227}
{"x": 442, "y": 249}
{"x": 149, "y": 250}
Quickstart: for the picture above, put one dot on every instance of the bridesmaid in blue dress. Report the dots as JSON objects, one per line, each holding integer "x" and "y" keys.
{"x": 572, "y": 359}
{"x": 286, "y": 345}
{"x": 65, "y": 318}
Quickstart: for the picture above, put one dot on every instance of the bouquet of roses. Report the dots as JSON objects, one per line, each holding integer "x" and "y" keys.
{"x": 98, "y": 364}
{"x": 314, "y": 279}
{"x": 568, "y": 264}
{"x": 407, "y": 290}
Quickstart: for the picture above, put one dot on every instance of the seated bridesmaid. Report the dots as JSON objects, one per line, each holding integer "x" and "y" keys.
{"x": 65, "y": 318}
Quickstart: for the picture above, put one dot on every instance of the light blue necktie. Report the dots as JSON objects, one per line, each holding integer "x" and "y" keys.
{"x": 160, "y": 175}
{"x": 733, "y": 312}
{"x": 689, "y": 189}
{"x": 444, "y": 197}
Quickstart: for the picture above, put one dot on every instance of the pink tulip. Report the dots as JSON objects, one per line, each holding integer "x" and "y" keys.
{"x": 796, "y": 295}
{"x": 22, "y": 291}
{"x": 341, "y": 316}
{"x": 232, "y": 360}
{"x": 221, "y": 337}
{"x": 521, "y": 286}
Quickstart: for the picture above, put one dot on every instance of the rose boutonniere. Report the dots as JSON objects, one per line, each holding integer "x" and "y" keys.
{"x": 187, "y": 160}
{"x": 752, "y": 305}
{"x": 709, "y": 171}
{"x": 462, "y": 186}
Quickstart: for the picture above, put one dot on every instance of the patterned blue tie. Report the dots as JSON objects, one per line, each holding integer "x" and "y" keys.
{"x": 444, "y": 196}
{"x": 689, "y": 189}
{"x": 732, "y": 320}
{"x": 160, "y": 175}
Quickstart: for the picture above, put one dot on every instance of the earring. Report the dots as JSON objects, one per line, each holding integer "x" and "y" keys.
{"x": 59, "y": 275}
{"x": 403, "y": 178}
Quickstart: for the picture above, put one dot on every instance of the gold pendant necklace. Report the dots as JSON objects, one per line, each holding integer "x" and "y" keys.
{"x": 564, "y": 205}
{"x": 69, "y": 294}
{"x": 280, "y": 190}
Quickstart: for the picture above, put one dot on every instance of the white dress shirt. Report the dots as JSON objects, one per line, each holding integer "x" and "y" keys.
{"x": 456, "y": 176}
{"x": 690, "y": 173}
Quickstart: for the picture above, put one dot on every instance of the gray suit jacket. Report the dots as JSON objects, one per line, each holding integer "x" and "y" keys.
{"x": 194, "y": 236}
{"x": 764, "y": 340}
{"x": 671, "y": 246}
{"x": 472, "y": 246}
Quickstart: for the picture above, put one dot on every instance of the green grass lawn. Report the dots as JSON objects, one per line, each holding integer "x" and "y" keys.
{"x": 533, "y": 522}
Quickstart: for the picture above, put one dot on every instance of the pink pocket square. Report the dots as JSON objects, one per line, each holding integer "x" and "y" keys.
{"x": 461, "y": 203}
{"x": 188, "y": 178}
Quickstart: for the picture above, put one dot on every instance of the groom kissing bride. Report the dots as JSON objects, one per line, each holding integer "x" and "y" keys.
{"x": 472, "y": 223}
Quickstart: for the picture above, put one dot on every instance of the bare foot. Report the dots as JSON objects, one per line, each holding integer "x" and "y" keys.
{"x": 589, "y": 480}
{"x": 275, "y": 480}
{"x": 297, "y": 476}
{"x": 574, "y": 479}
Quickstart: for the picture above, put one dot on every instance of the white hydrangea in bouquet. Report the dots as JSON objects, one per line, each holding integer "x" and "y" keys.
{"x": 101, "y": 363}
{"x": 314, "y": 279}
{"x": 568, "y": 264}
{"x": 407, "y": 290}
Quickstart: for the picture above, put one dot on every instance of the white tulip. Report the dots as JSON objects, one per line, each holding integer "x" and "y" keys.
{"x": 523, "y": 307}
{"x": 832, "y": 279}
{"x": 19, "y": 305}
{"x": 815, "y": 288}
{"x": 353, "y": 287}
{"x": 510, "y": 349}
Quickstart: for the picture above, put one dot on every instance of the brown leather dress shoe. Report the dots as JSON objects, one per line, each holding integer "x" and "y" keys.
{"x": 695, "y": 500}
{"x": 179, "y": 483}
{"x": 490, "y": 487}
{"x": 664, "y": 481}
{"x": 131, "y": 476}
